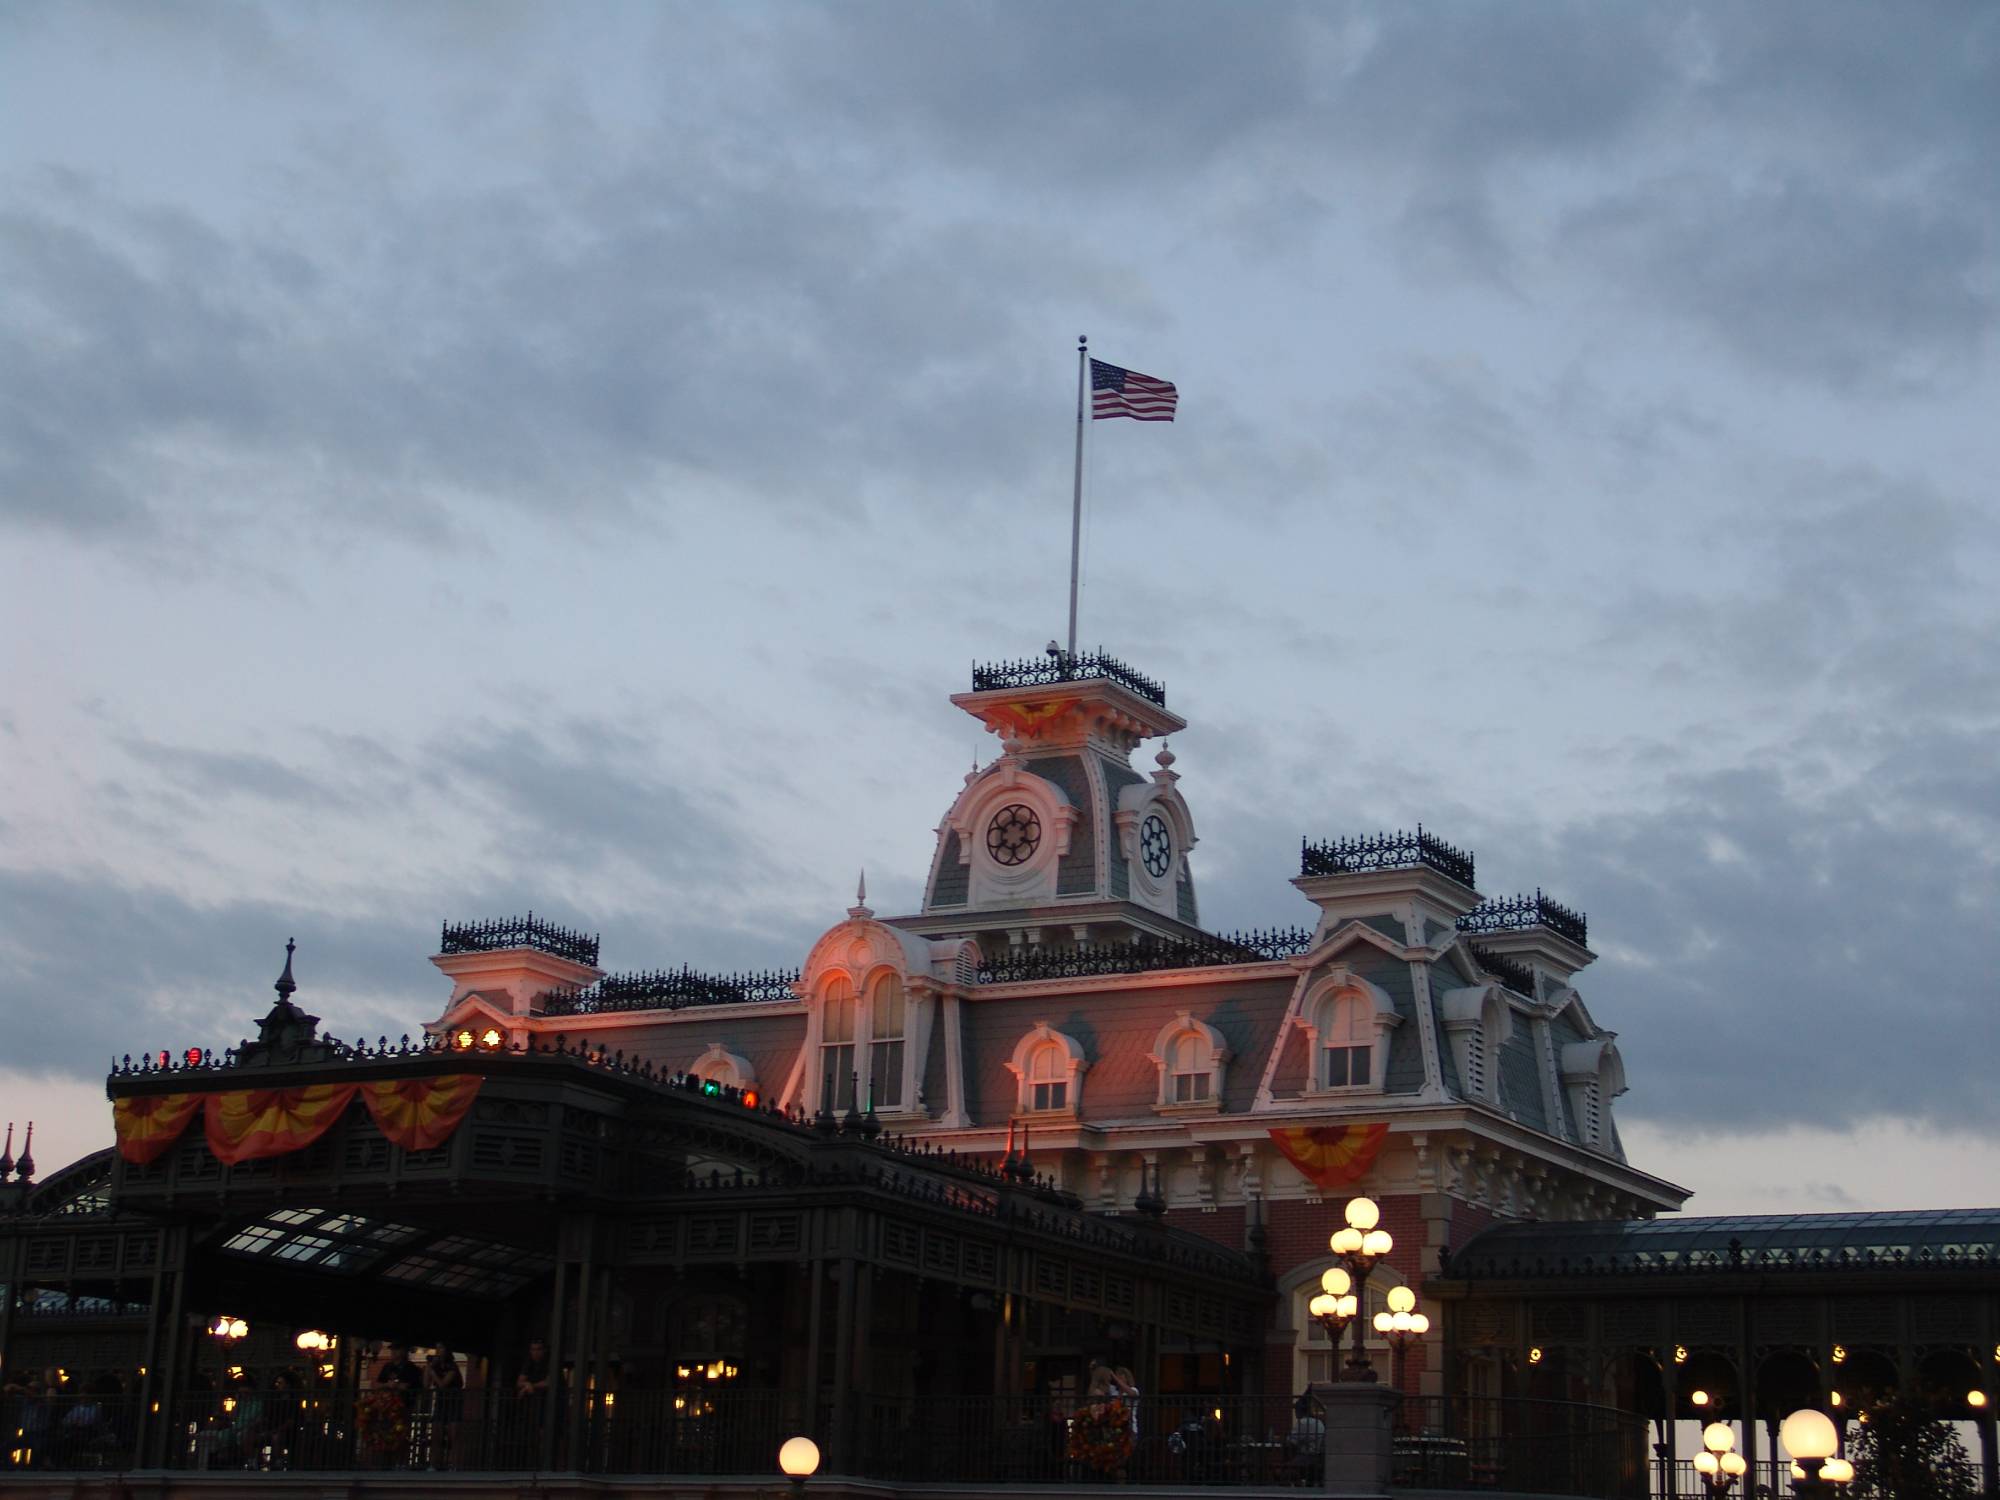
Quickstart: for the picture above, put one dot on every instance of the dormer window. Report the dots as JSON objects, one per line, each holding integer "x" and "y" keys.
{"x": 1477, "y": 1023}
{"x": 1348, "y": 1021}
{"x": 1048, "y": 1069}
{"x": 1189, "y": 1056}
{"x": 1593, "y": 1075}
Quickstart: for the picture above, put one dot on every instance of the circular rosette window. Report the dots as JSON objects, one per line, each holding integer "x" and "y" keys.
{"x": 1013, "y": 834}
{"x": 1156, "y": 846}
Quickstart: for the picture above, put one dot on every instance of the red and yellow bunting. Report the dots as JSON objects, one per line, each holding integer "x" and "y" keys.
{"x": 249, "y": 1123}
{"x": 147, "y": 1124}
{"x": 1331, "y": 1156}
{"x": 419, "y": 1113}
{"x": 246, "y": 1124}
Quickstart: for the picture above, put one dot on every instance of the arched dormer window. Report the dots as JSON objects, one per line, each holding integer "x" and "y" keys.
{"x": 836, "y": 1045}
{"x": 1189, "y": 1056}
{"x": 1477, "y": 1023}
{"x": 885, "y": 1043}
{"x": 1348, "y": 1021}
{"x": 1593, "y": 1075}
{"x": 1048, "y": 1069}
{"x": 717, "y": 1065}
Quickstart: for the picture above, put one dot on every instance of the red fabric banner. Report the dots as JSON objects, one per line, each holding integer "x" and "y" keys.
{"x": 250, "y": 1123}
{"x": 1331, "y": 1156}
{"x": 147, "y": 1124}
{"x": 419, "y": 1113}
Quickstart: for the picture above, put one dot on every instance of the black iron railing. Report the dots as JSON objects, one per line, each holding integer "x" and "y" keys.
{"x": 1087, "y": 959}
{"x": 1514, "y": 913}
{"x": 670, "y": 989}
{"x": 1060, "y": 666}
{"x": 520, "y": 932}
{"x": 1179, "y": 1440}
{"x": 1518, "y": 977}
{"x": 1386, "y": 851}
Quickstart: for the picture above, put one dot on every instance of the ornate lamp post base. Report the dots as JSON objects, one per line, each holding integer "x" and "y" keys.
{"x": 1360, "y": 1422}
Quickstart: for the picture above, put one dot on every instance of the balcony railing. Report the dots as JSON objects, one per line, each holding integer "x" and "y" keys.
{"x": 520, "y": 932}
{"x": 1084, "y": 960}
{"x": 1386, "y": 851}
{"x": 670, "y": 989}
{"x": 1518, "y": 912}
{"x": 1059, "y": 667}
{"x": 1181, "y": 1440}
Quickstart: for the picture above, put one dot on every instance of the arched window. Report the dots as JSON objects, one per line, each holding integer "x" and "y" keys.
{"x": 1048, "y": 1069}
{"x": 1189, "y": 1055}
{"x": 718, "y": 1065}
{"x": 885, "y": 1045}
{"x": 1048, "y": 1078}
{"x": 1348, "y": 1021}
{"x": 836, "y": 1045}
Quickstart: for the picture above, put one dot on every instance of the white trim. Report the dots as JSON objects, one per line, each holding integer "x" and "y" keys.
{"x": 1041, "y": 1035}
{"x": 1185, "y": 1025}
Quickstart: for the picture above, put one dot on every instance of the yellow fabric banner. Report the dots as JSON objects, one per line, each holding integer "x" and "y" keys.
{"x": 147, "y": 1124}
{"x": 1331, "y": 1156}
{"x": 420, "y": 1113}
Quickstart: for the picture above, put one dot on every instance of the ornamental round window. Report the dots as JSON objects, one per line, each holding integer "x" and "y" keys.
{"x": 1156, "y": 846}
{"x": 1014, "y": 834}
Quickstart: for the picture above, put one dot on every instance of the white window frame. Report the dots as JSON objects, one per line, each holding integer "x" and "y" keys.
{"x": 1182, "y": 1029}
{"x": 1071, "y": 1065}
{"x": 1378, "y": 1012}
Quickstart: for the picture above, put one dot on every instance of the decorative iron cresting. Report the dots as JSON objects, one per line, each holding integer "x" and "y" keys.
{"x": 1019, "y": 966}
{"x": 670, "y": 989}
{"x": 520, "y": 932}
{"x": 1518, "y": 977}
{"x": 1517, "y": 912}
{"x": 1061, "y": 666}
{"x": 1386, "y": 851}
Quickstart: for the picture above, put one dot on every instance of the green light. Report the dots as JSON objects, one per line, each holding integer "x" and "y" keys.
{"x": 711, "y": 1088}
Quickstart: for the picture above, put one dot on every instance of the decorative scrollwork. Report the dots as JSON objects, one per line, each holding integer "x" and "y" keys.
{"x": 1386, "y": 851}
{"x": 1517, "y": 912}
{"x": 1090, "y": 959}
{"x": 520, "y": 932}
{"x": 1014, "y": 834}
{"x": 1061, "y": 666}
{"x": 670, "y": 989}
{"x": 1156, "y": 846}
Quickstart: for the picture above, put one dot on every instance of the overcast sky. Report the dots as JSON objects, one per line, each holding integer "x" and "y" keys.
{"x": 459, "y": 458}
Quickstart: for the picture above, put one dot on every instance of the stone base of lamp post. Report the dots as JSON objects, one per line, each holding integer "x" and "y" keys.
{"x": 1360, "y": 1421}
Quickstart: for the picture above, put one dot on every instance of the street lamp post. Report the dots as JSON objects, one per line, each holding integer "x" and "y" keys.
{"x": 1719, "y": 1464}
{"x": 1359, "y": 1246}
{"x": 1812, "y": 1440}
{"x": 1400, "y": 1325}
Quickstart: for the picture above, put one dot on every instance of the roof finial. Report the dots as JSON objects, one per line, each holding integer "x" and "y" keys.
{"x": 26, "y": 1165}
{"x": 7, "y": 1154}
{"x": 286, "y": 985}
{"x": 860, "y": 910}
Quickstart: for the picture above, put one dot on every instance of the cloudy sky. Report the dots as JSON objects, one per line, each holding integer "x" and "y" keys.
{"x": 458, "y": 458}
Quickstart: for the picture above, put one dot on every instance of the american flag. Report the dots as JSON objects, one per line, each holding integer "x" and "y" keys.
{"x": 1127, "y": 393}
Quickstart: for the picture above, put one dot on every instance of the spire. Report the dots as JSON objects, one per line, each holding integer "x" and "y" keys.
{"x": 286, "y": 985}
{"x": 860, "y": 910}
{"x": 7, "y": 1154}
{"x": 26, "y": 1165}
